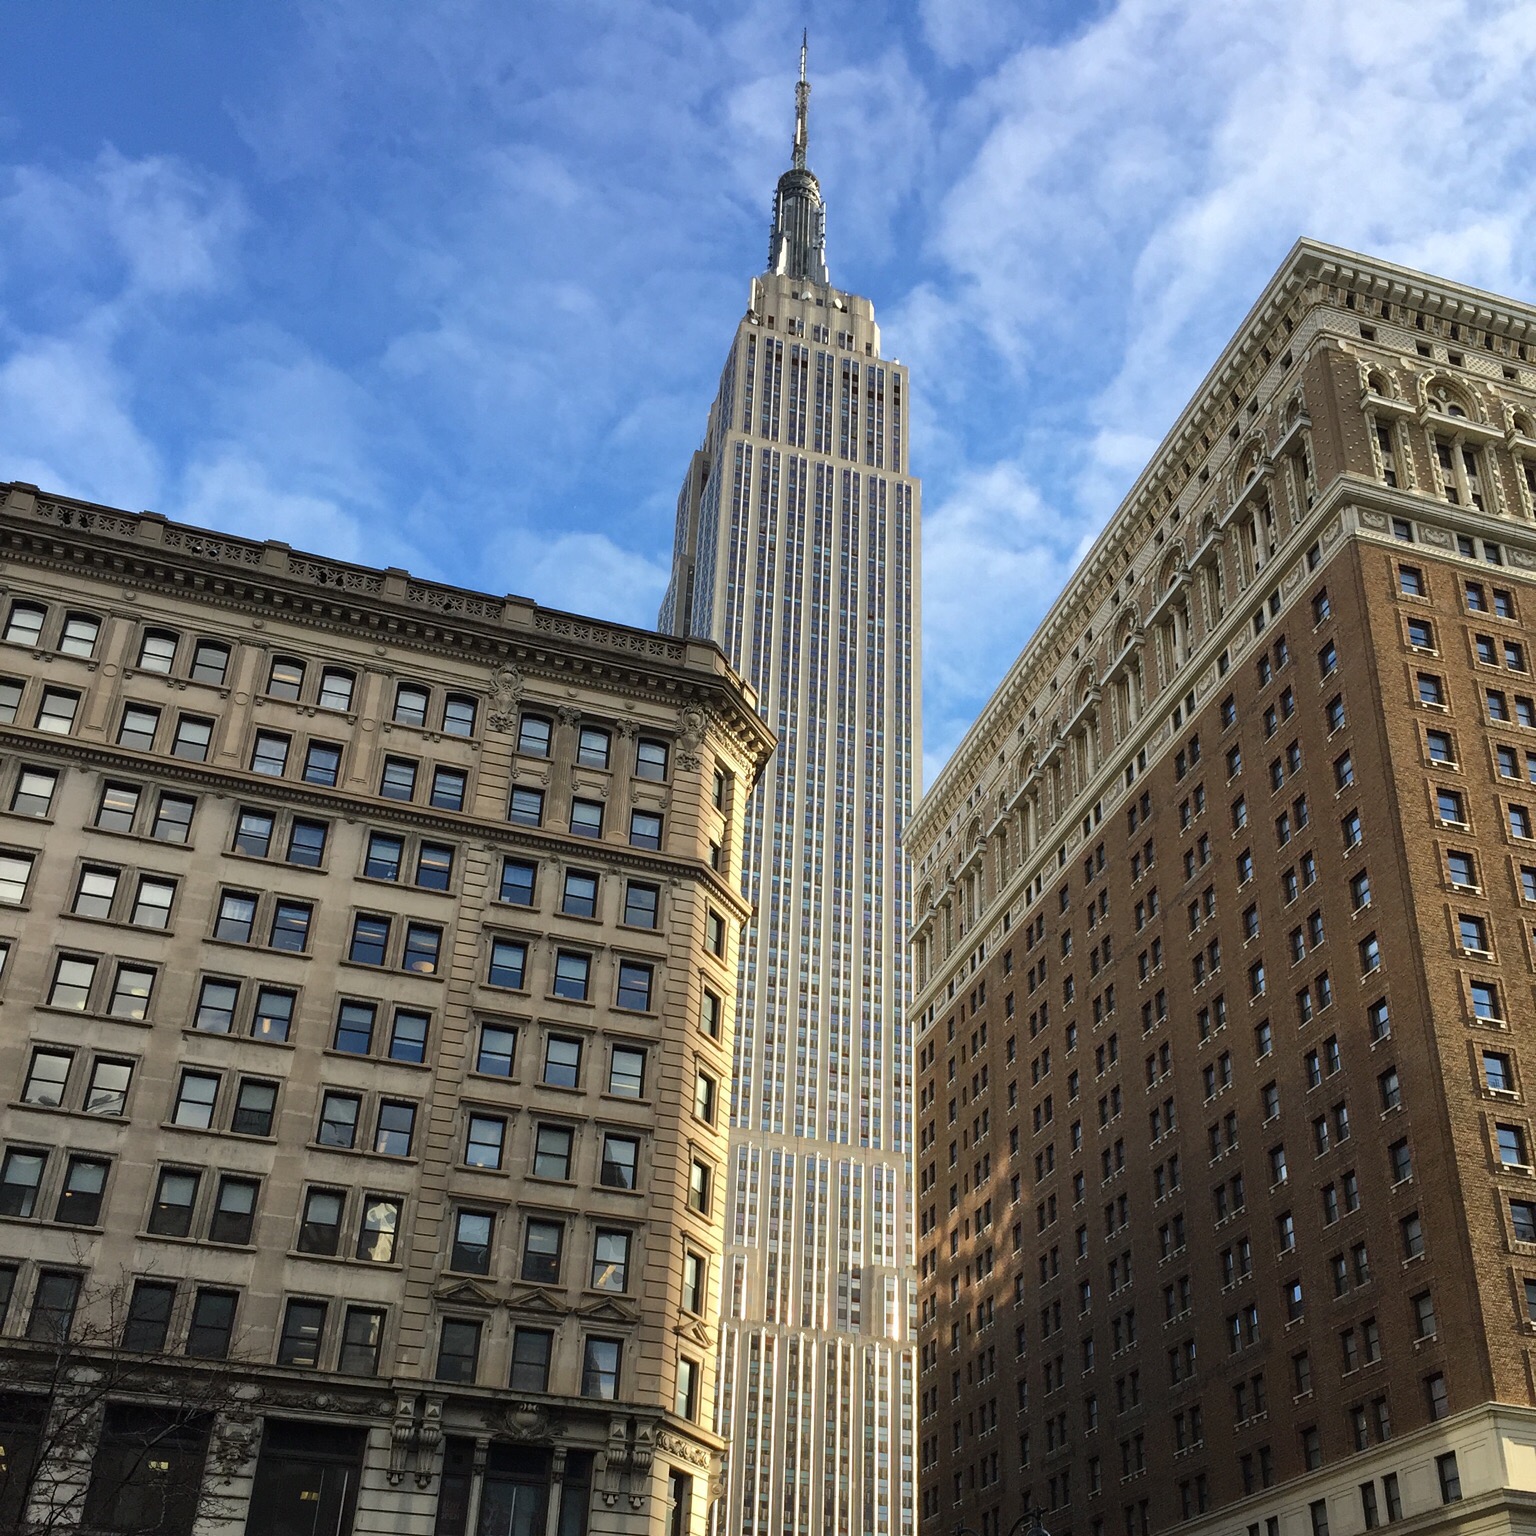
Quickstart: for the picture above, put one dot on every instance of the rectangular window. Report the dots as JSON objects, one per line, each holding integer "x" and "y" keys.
{"x": 471, "y": 1250}
{"x": 610, "y": 1261}
{"x": 600, "y": 1369}
{"x": 483, "y": 1141}
{"x": 572, "y": 975}
{"x": 85, "y": 1180}
{"x": 626, "y": 1072}
{"x": 621, "y": 1156}
{"x": 212, "y": 1326}
{"x": 234, "y": 1211}
{"x": 384, "y": 856}
{"x": 449, "y": 786}
{"x": 194, "y": 736}
{"x": 634, "y": 990}
{"x": 362, "y": 1337}
{"x": 269, "y": 754}
{"x": 303, "y": 1330}
{"x": 175, "y": 1196}
{"x": 530, "y": 1359}
{"x": 508, "y": 964}
{"x": 498, "y": 1046}
{"x": 562, "y": 1061}
{"x": 173, "y": 819}
{"x": 645, "y": 829}
{"x": 395, "y": 1129}
{"x": 149, "y": 1316}
{"x": 517, "y": 882}
{"x": 526, "y": 807}
{"x": 398, "y": 779}
{"x": 542, "y": 1245}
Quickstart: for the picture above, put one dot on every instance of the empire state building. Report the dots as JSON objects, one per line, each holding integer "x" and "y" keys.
{"x": 796, "y": 551}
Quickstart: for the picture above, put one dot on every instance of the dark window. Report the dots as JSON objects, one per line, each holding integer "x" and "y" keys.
{"x": 541, "y": 1251}
{"x": 362, "y": 1336}
{"x": 621, "y": 1154}
{"x": 149, "y": 1316}
{"x": 320, "y": 1229}
{"x": 530, "y": 1359}
{"x": 255, "y": 1105}
{"x": 212, "y": 1325}
{"x": 458, "y": 1350}
{"x": 234, "y": 1211}
{"x": 175, "y": 1196}
{"x": 303, "y": 1329}
{"x": 472, "y": 1235}
{"x": 600, "y": 1369}
{"x": 396, "y": 1127}
{"x": 85, "y": 1179}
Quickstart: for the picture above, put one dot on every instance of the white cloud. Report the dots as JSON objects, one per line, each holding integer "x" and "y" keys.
{"x": 65, "y": 423}
{"x": 580, "y": 572}
{"x": 234, "y": 492}
{"x": 994, "y": 552}
{"x": 1119, "y": 200}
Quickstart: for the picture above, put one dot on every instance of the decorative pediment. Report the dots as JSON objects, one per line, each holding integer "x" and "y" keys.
{"x": 535, "y": 1300}
{"x": 695, "y": 1331}
{"x": 606, "y": 1311}
{"x": 465, "y": 1293}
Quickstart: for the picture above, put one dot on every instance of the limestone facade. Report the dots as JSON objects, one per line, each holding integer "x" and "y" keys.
{"x": 369, "y": 970}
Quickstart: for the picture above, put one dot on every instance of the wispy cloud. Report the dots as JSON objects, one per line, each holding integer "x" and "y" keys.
{"x": 456, "y": 291}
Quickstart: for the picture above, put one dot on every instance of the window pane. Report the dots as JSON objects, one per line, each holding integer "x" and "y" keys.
{"x": 335, "y": 689}
{"x": 173, "y": 819}
{"x": 33, "y": 795}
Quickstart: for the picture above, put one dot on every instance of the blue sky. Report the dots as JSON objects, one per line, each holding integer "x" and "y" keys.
{"x": 449, "y": 285}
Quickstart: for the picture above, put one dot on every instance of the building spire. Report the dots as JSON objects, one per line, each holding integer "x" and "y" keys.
{"x": 797, "y": 246}
{"x": 802, "y": 107}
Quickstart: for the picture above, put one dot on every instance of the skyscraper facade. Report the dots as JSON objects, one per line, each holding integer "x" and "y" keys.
{"x": 1225, "y": 939}
{"x": 796, "y": 550}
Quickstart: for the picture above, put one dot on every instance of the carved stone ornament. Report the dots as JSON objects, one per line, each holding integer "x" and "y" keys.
{"x": 684, "y": 1450}
{"x": 526, "y": 1421}
{"x": 691, "y": 739}
{"x": 506, "y": 694}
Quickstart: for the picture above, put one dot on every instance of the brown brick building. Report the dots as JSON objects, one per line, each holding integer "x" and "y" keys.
{"x": 1225, "y": 950}
{"x": 367, "y": 964}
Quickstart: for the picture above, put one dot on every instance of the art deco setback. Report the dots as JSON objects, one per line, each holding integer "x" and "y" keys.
{"x": 1225, "y": 934}
{"x": 368, "y": 969}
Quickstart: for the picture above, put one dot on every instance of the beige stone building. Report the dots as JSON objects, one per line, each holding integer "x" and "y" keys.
{"x": 369, "y": 968}
{"x": 1225, "y": 946}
